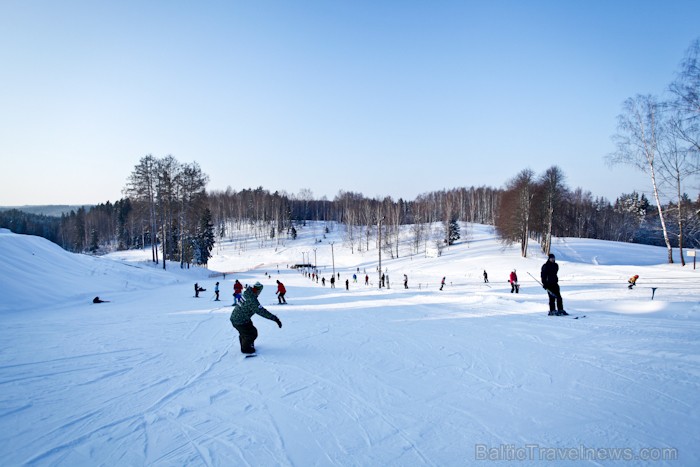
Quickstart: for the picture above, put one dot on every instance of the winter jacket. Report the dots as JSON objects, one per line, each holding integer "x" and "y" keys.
{"x": 281, "y": 289}
{"x": 549, "y": 273}
{"x": 237, "y": 287}
{"x": 242, "y": 312}
{"x": 513, "y": 277}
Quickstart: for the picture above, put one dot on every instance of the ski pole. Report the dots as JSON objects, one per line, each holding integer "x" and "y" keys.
{"x": 548, "y": 291}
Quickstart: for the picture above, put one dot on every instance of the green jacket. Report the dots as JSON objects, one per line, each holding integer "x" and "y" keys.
{"x": 242, "y": 312}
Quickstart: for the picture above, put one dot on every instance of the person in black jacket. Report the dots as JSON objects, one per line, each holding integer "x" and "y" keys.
{"x": 550, "y": 282}
{"x": 242, "y": 314}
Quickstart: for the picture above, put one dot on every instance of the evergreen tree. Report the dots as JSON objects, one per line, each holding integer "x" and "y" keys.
{"x": 453, "y": 232}
{"x": 205, "y": 239}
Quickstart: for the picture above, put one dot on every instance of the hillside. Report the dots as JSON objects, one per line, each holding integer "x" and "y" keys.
{"x": 362, "y": 376}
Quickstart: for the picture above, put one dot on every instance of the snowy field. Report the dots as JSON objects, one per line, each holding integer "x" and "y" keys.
{"x": 404, "y": 377}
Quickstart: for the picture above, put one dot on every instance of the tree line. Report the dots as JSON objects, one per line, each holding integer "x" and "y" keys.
{"x": 167, "y": 208}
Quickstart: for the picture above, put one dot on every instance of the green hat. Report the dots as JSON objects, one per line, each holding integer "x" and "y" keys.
{"x": 258, "y": 286}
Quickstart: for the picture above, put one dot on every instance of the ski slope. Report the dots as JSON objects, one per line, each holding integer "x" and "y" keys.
{"x": 364, "y": 376}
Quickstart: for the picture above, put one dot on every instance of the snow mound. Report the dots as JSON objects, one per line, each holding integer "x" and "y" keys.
{"x": 38, "y": 273}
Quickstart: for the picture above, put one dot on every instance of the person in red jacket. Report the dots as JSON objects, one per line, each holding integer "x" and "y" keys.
{"x": 237, "y": 290}
{"x": 514, "y": 286}
{"x": 280, "y": 293}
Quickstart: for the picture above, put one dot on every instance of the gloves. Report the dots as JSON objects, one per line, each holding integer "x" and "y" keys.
{"x": 279, "y": 323}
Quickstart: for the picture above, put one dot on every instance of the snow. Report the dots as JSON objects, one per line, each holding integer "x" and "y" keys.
{"x": 355, "y": 377}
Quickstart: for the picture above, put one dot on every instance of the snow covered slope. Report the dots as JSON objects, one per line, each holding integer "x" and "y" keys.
{"x": 361, "y": 376}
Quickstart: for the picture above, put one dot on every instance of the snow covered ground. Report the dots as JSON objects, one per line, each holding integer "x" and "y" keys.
{"x": 417, "y": 376}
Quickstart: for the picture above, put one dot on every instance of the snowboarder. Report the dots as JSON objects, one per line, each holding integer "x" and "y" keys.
{"x": 486, "y": 277}
{"x": 405, "y": 281}
{"x": 216, "y": 292}
{"x": 333, "y": 281}
{"x": 280, "y": 293}
{"x": 237, "y": 290}
{"x": 550, "y": 282}
{"x": 632, "y": 281}
{"x": 442, "y": 283}
{"x": 198, "y": 289}
{"x": 99, "y": 300}
{"x": 241, "y": 314}
{"x": 514, "y": 286}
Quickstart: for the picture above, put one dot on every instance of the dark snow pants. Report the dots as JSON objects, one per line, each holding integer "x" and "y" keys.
{"x": 555, "y": 295}
{"x": 247, "y": 333}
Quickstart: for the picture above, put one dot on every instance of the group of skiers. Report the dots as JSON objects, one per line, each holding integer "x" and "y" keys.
{"x": 246, "y": 302}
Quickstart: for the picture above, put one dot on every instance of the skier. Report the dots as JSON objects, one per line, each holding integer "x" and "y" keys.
{"x": 405, "y": 281}
{"x": 514, "y": 286}
{"x": 632, "y": 281}
{"x": 347, "y": 284}
{"x": 442, "y": 283}
{"x": 237, "y": 290}
{"x": 486, "y": 277}
{"x": 198, "y": 289}
{"x": 366, "y": 279}
{"x": 216, "y": 292}
{"x": 323, "y": 281}
{"x": 333, "y": 281}
{"x": 241, "y": 314}
{"x": 550, "y": 282}
{"x": 280, "y": 293}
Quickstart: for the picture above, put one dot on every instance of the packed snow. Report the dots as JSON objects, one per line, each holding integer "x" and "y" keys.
{"x": 365, "y": 376}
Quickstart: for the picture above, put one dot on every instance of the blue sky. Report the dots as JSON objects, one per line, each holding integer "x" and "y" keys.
{"x": 392, "y": 98}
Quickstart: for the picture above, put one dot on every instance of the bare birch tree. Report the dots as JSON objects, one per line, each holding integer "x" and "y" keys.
{"x": 639, "y": 132}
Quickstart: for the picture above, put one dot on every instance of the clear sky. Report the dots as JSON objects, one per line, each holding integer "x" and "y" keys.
{"x": 379, "y": 97}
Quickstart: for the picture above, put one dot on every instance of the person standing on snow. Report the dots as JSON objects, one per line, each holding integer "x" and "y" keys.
{"x": 442, "y": 283}
{"x": 237, "y": 290}
{"x": 280, "y": 293}
{"x": 486, "y": 277}
{"x": 242, "y": 314}
{"x": 216, "y": 292}
{"x": 550, "y": 282}
{"x": 405, "y": 281}
{"x": 514, "y": 287}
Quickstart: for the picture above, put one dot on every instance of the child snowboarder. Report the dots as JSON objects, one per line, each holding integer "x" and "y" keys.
{"x": 242, "y": 314}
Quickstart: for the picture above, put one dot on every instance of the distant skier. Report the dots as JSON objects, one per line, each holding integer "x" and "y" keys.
{"x": 366, "y": 279}
{"x": 323, "y": 281}
{"x": 242, "y": 314}
{"x": 486, "y": 277}
{"x": 442, "y": 283}
{"x": 550, "y": 282}
{"x": 198, "y": 289}
{"x": 333, "y": 281}
{"x": 281, "y": 290}
{"x": 216, "y": 292}
{"x": 514, "y": 286}
{"x": 347, "y": 284}
{"x": 632, "y": 281}
{"x": 237, "y": 290}
{"x": 99, "y": 300}
{"x": 405, "y": 281}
